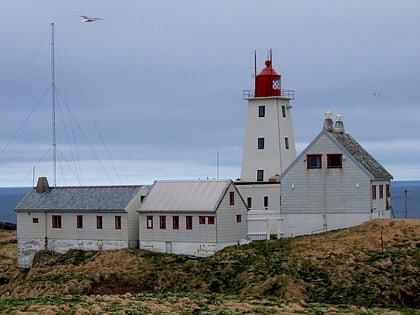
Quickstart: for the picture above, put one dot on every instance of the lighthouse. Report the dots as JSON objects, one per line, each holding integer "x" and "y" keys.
{"x": 269, "y": 144}
{"x": 269, "y": 148}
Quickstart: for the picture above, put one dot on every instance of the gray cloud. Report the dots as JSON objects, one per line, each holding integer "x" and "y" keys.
{"x": 160, "y": 83}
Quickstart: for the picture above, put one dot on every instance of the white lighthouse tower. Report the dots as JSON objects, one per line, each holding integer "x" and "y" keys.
{"x": 269, "y": 148}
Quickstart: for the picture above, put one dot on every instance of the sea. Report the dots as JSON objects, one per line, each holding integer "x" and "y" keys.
{"x": 405, "y": 200}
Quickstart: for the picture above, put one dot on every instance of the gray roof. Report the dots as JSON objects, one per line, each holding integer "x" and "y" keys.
{"x": 185, "y": 196}
{"x": 92, "y": 198}
{"x": 361, "y": 155}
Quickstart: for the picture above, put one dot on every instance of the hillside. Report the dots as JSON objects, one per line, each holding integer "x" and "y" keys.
{"x": 372, "y": 265}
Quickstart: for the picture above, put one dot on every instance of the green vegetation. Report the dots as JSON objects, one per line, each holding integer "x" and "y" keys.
{"x": 355, "y": 271}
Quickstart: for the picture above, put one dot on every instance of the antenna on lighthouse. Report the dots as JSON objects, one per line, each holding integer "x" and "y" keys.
{"x": 54, "y": 144}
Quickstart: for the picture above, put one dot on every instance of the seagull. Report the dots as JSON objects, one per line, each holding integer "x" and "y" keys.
{"x": 376, "y": 94}
{"x": 89, "y": 19}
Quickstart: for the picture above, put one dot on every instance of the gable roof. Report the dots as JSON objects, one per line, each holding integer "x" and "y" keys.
{"x": 84, "y": 198}
{"x": 361, "y": 155}
{"x": 185, "y": 195}
{"x": 355, "y": 151}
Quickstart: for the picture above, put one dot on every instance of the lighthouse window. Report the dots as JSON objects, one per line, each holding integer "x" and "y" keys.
{"x": 286, "y": 142}
{"x": 260, "y": 175}
{"x": 260, "y": 143}
{"x": 249, "y": 202}
{"x": 313, "y": 161}
{"x": 283, "y": 111}
{"x": 261, "y": 111}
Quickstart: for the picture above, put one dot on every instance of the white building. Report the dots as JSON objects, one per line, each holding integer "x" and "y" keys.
{"x": 269, "y": 148}
{"x": 334, "y": 183}
{"x": 192, "y": 217}
{"x": 86, "y": 218}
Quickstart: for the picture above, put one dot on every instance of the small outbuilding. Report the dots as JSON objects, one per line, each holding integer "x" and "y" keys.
{"x": 334, "y": 183}
{"x": 86, "y": 218}
{"x": 192, "y": 217}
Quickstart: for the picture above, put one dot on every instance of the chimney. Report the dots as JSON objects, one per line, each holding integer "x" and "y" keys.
{"x": 339, "y": 125}
{"x": 328, "y": 122}
{"x": 42, "y": 185}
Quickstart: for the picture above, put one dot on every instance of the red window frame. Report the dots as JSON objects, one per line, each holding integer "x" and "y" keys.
{"x": 56, "y": 221}
{"x": 210, "y": 220}
{"x": 79, "y": 222}
{"x": 99, "y": 222}
{"x": 310, "y": 158}
{"x": 35, "y": 220}
{"x": 238, "y": 218}
{"x": 231, "y": 198}
{"x": 162, "y": 222}
{"x": 175, "y": 222}
{"x": 335, "y": 160}
{"x": 381, "y": 191}
{"x": 188, "y": 222}
{"x": 201, "y": 219}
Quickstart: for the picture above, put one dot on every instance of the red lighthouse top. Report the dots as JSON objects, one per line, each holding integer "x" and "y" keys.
{"x": 267, "y": 82}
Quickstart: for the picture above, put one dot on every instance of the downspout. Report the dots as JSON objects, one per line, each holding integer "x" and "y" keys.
{"x": 46, "y": 231}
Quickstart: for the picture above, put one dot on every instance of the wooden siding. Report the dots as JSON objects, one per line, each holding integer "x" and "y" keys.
{"x": 198, "y": 233}
{"x": 224, "y": 229}
{"x": 228, "y": 229}
{"x": 325, "y": 190}
{"x": 69, "y": 231}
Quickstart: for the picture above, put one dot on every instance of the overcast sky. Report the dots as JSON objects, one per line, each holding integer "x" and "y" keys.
{"x": 154, "y": 91}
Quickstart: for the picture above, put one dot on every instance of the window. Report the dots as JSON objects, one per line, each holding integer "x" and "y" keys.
{"x": 261, "y": 111}
{"x": 142, "y": 198}
{"x": 260, "y": 175}
{"x": 162, "y": 222}
{"x": 118, "y": 222}
{"x": 175, "y": 222}
{"x": 249, "y": 202}
{"x": 56, "y": 221}
{"x": 210, "y": 220}
{"x": 260, "y": 143}
{"x": 373, "y": 192}
{"x": 201, "y": 220}
{"x": 231, "y": 198}
{"x": 265, "y": 201}
{"x": 188, "y": 222}
{"x": 99, "y": 222}
{"x": 286, "y": 142}
{"x": 79, "y": 222}
{"x": 35, "y": 220}
{"x": 381, "y": 191}
{"x": 313, "y": 161}
{"x": 149, "y": 222}
{"x": 283, "y": 111}
{"x": 238, "y": 218}
{"x": 334, "y": 161}
{"x": 388, "y": 194}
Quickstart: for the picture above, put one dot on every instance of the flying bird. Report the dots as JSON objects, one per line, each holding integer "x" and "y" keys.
{"x": 90, "y": 19}
{"x": 376, "y": 94}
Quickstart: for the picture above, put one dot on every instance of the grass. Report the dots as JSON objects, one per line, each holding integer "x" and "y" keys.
{"x": 303, "y": 275}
